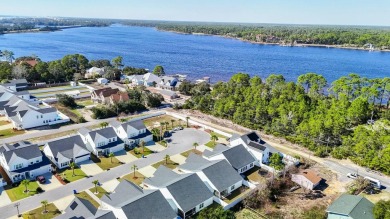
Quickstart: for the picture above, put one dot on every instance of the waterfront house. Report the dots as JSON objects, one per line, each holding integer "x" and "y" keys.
{"x": 64, "y": 151}
{"x": 186, "y": 193}
{"x": 94, "y": 72}
{"x": 83, "y": 208}
{"x": 306, "y": 178}
{"x": 129, "y": 200}
{"x": 238, "y": 156}
{"x": 168, "y": 82}
{"x": 101, "y": 142}
{"x": 351, "y": 207}
{"x": 150, "y": 80}
{"x": 132, "y": 132}
{"x": 220, "y": 178}
{"x": 23, "y": 160}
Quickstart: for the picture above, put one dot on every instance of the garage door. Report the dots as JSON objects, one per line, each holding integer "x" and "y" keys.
{"x": 82, "y": 158}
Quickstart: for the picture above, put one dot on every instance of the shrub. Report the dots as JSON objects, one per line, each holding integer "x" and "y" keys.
{"x": 39, "y": 190}
{"x": 66, "y": 100}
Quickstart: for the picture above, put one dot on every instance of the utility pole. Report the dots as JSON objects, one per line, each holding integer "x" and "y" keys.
{"x": 17, "y": 208}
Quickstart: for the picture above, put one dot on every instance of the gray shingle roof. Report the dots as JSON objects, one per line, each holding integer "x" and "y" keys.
{"x": 218, "y": 149}
{"x": 222, "y": 175}
{"x": 189, "y": 192}
{"x": 357, "y": 207}
{"x": 125, "y": 193}
{"x": 81, "y": 208}
{"x": 68, "y": 147}
{"x": 105, "y": 132}
{"x": 20, "y": 149}
{"x": 137, "y": 124}
{"x": 238, "y": 156}
{"x": 163, "y": 176}
{"x": 194, "y": 163}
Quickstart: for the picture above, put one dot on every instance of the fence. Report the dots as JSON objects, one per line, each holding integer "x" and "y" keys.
{"x": 36, "y": 86}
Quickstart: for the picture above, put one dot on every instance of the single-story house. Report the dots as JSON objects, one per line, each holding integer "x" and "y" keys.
{"x": 186, "y": 193}
{"x": 306, "y": 178}
{"x": 64, "y": 151}
{"x": 238, "y": 156}
{"x": 351, "y": 207}
{"x": 129, "y": 200}
{"x": 83, "y": 208}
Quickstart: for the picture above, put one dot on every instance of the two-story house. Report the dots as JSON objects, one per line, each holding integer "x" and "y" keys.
{"x": 103, "y": 95}
{"x": 16, "y": 84}
{"x": 220, "y": 178}
{"x": 23, "y": 160}
{"x": 118, "y": 97}
{"x": 186, "y": 193}
{"x": 101, "y": 141}
{"x": 128, "y": 201}
{"x": 132, "y": 132}
{"x": 238, "y": 156}
{"x": 64, "y": 151}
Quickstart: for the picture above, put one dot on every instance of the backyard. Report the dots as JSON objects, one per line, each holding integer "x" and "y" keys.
{"x": 51, "y": 209}
{"x": 17, "y": 193}
{"x": 105, "y": 162}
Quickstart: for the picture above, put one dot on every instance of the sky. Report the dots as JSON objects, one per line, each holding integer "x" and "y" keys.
{"x": 339, "y": 12}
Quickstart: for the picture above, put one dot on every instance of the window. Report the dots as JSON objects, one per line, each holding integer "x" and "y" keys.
{"x": 201, "y": 206}
{"x": 251, "y": 165}
{"x": 18, "y": 166}
{"x": 231, "y": 188}
{"x": 37, "y": 161}
{"x": 32, "y": 163}
{"x": 41, "y": 116}
{"x": 109, "y": 140}
{"x": 37, "y": 117}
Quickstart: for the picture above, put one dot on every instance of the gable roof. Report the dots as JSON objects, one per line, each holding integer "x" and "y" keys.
{"x": 68, "y": 147}
{"x": 107, "y": 132}
{"x": 238, "y": 156}
{"x": 195, "y": 162}
{"x": 189, "y": 192}
{"x": 311, "y": 175}
{"x": 218, "y": 149}
{"x": 163, "y": 176}
{"x": 137, "y": 124}
{"x": 23, "y": 150}
{"x": 357, "y": 207}
{"x": 124, "y": 193}
{"x": 120, "y": 96}
{"x": 222, "y": 175}
{"x": 81, "y": 208}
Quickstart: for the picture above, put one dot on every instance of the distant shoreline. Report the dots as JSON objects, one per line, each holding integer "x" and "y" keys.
{"x": 38, "y": 30}
{"x": 279, "y": 44}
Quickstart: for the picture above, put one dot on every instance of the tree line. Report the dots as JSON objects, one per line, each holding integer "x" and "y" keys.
{"x": 351, "y": 36}
{"x": 350, "y": 119}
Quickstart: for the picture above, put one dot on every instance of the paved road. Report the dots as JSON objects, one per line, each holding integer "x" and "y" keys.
{"x": 39, "y": 133}
{"x": 181, "y": 141}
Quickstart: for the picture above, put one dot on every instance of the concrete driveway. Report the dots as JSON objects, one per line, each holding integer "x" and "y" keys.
{"x": 4, "y": 199}
{"x": 51, "y": 182}
{"x": 147, "y": 171}
{"x": 61, "y": 204}
{"x": 90, "y": 168}
{"x": 178, "y": 158}
{"x": 110, "y": 185}
{"x": 125, "y": 157}
{"x": 155, "y": 147}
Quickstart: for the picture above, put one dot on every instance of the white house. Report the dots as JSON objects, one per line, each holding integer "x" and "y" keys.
{"x": 16, "y": 84}
{"x": 23, "y": 161}
{"x": 132, "y": 132}
{"x": 255, "y": 145}
{"x": 238, "y": 157}
{"x": 129, "y": 200}
{"x": 102, "y": 80}
{"x": 83, "y": 208}
{"x": 167, "y": 82}
{"x": 186, "y": 193}
{"x": 101, "y": 141}
{"x": 220, "y": 178}
{"x": 306, "y": 178}
{"x": 64, "y": 151}
{"x": 94, "y": 72}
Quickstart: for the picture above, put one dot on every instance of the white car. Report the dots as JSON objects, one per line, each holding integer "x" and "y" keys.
{"x": 352, "y": 175}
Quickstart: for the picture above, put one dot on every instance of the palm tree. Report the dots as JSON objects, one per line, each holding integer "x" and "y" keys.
{"x": 214, "y": 138}
{"x": 156, "y": 133}
{"x": 72, "y": 166}
{"x": 111, "y": 155}
{"x": 180, "y": 122}
{"x": 161, "y": 129}
{"x": 172, "y": 121}
{"x": 187, "y": 118}
{"x": 166, "y": 159}
{"x": 44, "y": 205}
{"x": 195, "y": 144}
{"x": 103, "y": 124}
{"x": 142, "y": 145}
{"x": 134, "y": 168}
{"x": 166, "y": 126}
{"x": 96, "y": 183}
{"x": 26, "y": 182}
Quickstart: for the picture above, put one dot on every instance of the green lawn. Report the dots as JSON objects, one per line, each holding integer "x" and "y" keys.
{"x": 37, "y": 213}
{"x": 68, "y": 175}
{"x": 187, "y": 153}
{"x": 163, "y": 118}
{"x": 211, "y": 144}
{"x": 170, "y": 164}
{"x": 105, "y": 162}
{"x": 138, "y": 152}
{"x": 138, "y": 179}
{"x": 85, "y": 195}
{"x": 6, "y": 133}
{"x": 77, "y": 112}
{"x": 101, "y": 191}
{"x": 17, "y": 193}
{"x": 84, "y": 103}
{"x": 236, "y": 194}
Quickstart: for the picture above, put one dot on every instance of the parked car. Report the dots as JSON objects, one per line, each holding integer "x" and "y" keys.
{"x": 352, "y": 175}
{"x": 167, "y": 134}
{"x": 41, "y": 179}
